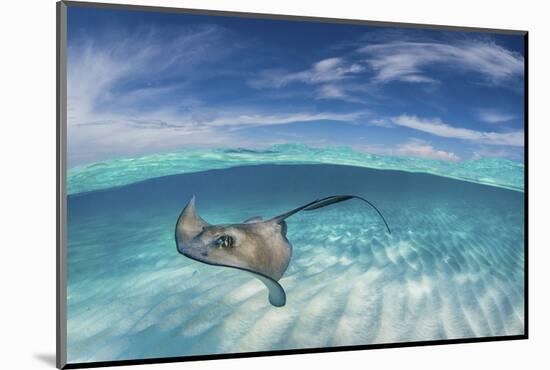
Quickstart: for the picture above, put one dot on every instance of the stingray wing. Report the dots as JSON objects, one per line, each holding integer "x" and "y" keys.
{"x": 277, "y": 295}
{"x": 323, "y": 202}
{"x": 253, "y": 220}
{"x": 189, "y": 223}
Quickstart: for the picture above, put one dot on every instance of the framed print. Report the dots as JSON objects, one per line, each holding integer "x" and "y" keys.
{"x": 235, "y": 184}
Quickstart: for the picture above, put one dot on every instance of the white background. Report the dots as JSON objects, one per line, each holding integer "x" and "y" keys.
{"x": 27, "y": 203}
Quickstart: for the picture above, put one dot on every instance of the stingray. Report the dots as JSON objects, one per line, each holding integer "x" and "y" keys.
{"x": 257, "y": 246}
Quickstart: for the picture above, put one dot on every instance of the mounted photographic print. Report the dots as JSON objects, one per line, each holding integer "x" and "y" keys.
{"x": 234, "y": 184}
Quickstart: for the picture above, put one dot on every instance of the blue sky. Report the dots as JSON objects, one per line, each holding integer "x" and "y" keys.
{"x": 143, "y": 82}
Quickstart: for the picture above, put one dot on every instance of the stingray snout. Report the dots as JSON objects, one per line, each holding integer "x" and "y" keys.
{"x": 193, "y": 249}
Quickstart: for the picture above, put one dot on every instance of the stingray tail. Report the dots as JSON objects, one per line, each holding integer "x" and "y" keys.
{"x": 320, "y": 203}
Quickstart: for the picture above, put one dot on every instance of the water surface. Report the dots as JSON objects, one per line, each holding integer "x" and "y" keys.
{"x": 498, "y": 172}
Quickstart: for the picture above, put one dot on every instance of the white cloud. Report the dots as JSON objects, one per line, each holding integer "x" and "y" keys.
{"x": 90, "y": 143}
{"x": 381, "y": 122}
{"x": 281, "y": 119}
{"x": 419, "y": 148}
{"x": 96, "y": 69}
{"x": 160, "y": 131}
{"x": 346, "y": 92}
{"x": 494, "y": 116}
{"x": 211, "y": 120}
{"x": 439, "y": 128}
{"x": 406, "y": 61}
{"x": 323, "y": 71}
{"x": 411, "y": 148}
{"x": 398, "y": 61}
{"x": 331, "y": 69}
{"x": 164, "y": 130}
{"x": 105, "y": 121}
{"x": 329, "y": 75}
{"x": 331, "y": 92}
{"x": 513, "y": 153}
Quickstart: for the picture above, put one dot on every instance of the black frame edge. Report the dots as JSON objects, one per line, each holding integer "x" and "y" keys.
{"x": 61, "y": 126}
{"x": 526, "y": 181}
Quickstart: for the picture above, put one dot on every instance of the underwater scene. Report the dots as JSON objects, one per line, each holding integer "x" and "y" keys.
{"x": 241, "y": 184}
{"x": 452, "y": 267}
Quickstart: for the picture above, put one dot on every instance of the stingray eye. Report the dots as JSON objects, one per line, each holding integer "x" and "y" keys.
{"x": 224, "y": 241}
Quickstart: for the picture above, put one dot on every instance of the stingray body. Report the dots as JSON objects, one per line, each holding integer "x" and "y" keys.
{"x": 257, "y": 246}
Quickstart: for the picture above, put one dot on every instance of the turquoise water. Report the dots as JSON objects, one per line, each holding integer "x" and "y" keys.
{"x": 102, "y": 175}
{"x": 453, "y": 266}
